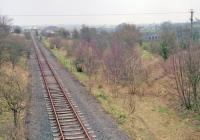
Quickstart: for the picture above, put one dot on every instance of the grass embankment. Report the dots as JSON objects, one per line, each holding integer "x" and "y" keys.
{"x": 152, "y": 118}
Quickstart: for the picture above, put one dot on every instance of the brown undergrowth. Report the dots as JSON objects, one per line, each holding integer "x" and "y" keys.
{"x": 155, "y": 116}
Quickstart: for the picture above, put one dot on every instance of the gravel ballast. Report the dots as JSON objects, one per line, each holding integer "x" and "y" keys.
{"x": 37, "y": 118}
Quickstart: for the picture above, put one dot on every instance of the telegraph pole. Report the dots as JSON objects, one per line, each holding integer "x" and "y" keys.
{"x": 191, "y": 22}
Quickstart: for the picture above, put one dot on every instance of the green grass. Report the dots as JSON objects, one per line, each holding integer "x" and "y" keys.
{"x": 145, "y": 45}
{"x": 144, "y": 50}
{"x": 108, "y": 104}
{"x": 146, "y": 54}
{"x": 163, "y": 110}
{"x": 101, "y": 96}
{"x": 197, "y": 117}
{"x": 67, "y": 63}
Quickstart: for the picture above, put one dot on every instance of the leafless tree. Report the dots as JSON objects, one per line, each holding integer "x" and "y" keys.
{"x": 75, "y": 34}
{"x": 132, "y": 76}
{"x": 114, "y": 63}
{"x": 91, "y": 62}
{"x": 13, "y": 89}
{"x": 87, "y": 59}
{"x": 168, "y": 40}
{"x": 185, "y": 68}
{"x": 3, "y": 56}
{"x": 79, "y": 54}
{"x": 5, "y": 23}
{"x": 16, "y": 49}
{"x": 4, "y": 31}
{"x": 88, "y": 34}
{"x": 55, "y": 42}
{"x": 63, "y": 33}
{"x": 133, "y": 70}
{"x": 127, "y": 35}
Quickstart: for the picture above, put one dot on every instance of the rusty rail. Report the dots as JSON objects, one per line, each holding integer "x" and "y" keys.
{"x": 39, "y": 51}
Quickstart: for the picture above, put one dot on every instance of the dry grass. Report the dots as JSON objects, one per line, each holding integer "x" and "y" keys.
{"x": 152, "y": 118}
{"x": 6, "y": 117}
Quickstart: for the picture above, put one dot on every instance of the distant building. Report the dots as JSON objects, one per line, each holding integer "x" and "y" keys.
{"x": 50, "y": 31}
{"x": 151, "y": 36}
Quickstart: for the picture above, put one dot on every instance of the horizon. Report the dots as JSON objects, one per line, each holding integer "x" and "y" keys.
{"x": 76, "y": 24}
{"x": 14, "y": 19}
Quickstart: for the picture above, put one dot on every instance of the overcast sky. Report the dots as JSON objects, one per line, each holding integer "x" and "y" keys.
{"x": 94, "y": 12}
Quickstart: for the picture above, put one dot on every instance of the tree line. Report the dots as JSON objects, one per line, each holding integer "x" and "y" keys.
{"x": 116, "y": 54}
{"x": 13, "y": 77}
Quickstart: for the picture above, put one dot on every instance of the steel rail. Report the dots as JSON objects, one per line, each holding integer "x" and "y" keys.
{"x": 67, "y": 98}
{"x": 85, "y": 130}
{"x": 49, "y": 95}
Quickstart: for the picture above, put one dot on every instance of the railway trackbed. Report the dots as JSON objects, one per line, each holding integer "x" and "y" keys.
{"x": 67, "y": 122}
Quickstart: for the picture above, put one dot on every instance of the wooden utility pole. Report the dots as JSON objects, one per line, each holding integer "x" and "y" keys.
{"x": 191, "y": 22}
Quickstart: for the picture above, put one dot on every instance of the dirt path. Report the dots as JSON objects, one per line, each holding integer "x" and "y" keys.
{"x": 103, "y": 125}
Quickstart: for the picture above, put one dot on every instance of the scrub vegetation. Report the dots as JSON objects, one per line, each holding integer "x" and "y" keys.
{"x": 13, "y": 82}
{"x": 151, "y": 87}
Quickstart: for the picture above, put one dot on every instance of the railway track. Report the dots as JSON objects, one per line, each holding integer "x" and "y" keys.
{"x": 67, "y": 123}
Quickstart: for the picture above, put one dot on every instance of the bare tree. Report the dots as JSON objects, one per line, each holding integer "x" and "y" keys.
{"x": 87, "y": 59}
{"x": 15, "y": 53}
{"x": 127, "y": 35}
{"x": 3, "y": 56}
{"x": 114, "y": 63}
{"x": 12, "y": 48}
{"x": 87, "y": 34}
{"x": 91, "y": 62}
{"x": 133, "y": 70}
{"x": 14, "y": 91}
{"x": 132, "y": 76}
{"x": 55, "y": 42}
{"x": 75, "y": 34}
{"x": 185, "y": 68}
{"x": 4, "y": 31}
{"x": 63, "y": 33}
{"x": 168, "y": 40}
{"x": 5, "y": 23}
{"x": 80, "y": 58}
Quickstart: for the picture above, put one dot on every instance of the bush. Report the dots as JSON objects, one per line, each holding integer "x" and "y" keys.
{"x": 79, "y": 67}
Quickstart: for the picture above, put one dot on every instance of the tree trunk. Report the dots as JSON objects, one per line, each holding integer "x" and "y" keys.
{"x": 1, "y": 108}
{"x": 15, "y": 117}
{"x": 194, "y": 87}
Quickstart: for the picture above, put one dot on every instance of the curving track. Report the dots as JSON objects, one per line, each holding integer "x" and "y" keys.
{"x": 67, "y": 123}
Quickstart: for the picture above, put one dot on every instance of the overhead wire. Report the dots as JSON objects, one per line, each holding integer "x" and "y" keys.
{"x": 91, "y": 15}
